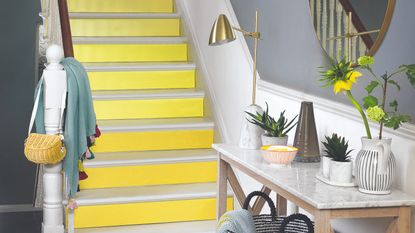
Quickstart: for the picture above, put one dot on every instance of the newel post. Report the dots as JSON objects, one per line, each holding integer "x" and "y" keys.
{"x": 55, "y": 86}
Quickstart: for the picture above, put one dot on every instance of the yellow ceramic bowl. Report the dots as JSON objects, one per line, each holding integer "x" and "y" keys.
{"x": 279, "y": 154}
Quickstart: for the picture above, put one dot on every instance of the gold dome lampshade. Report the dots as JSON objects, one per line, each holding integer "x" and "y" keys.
{"x": 222, "y": 31}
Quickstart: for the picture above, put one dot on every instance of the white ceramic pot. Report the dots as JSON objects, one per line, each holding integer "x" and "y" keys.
{"x": 280, "y": 141}
{"x": 341, "y": 172}
{"x": 375, "y": 166}
{"x": 325, "y": 166}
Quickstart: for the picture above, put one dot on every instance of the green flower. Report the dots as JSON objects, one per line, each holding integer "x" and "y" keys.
{"x": 365, "y": 60}
{"x": 375, "y": 113}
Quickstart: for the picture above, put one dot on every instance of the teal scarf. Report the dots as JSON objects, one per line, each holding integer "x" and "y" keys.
{"x": 80, "y": 120}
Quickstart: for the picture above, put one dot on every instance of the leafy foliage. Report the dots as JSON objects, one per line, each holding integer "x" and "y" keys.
{"x": 336, "y": 148}
{"x": 391, "y": 118}
{"x": 370, "y": 101}
{"x": 273, "y": 128}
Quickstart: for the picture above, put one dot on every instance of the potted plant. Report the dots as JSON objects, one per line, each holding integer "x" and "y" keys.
{"x": 339, "y": 164}
{"x": 375, "y": 164}
{"x": 275, "y": 130}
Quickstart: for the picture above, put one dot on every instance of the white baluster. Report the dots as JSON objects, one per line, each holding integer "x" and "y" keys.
{"x": 362, "y": 47}
{"x": 318, "y": 19}
{"x": 345, "y": 40}
{"x": 312, "y": 10}
{"x": 339, "y": 11}
{"x": 331, "y": 28}
{"x": 54, "y": 87}
{"x": 324, "y": 25}
{"x": 354, "y": 43}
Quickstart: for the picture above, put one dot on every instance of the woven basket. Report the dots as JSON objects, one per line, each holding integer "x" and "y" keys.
{"x": 270, "y": 223}
{"x": 44, "y": 148}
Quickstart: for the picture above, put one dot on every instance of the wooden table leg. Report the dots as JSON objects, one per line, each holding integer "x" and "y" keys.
{"x": 236, "y": 187}
{"x": 281, "y": 205}
{"x": 322, "y": 222}
{"x": 222, "y": 184}
{"x": 403, "y": 223}
{"x": 259, "y": 202}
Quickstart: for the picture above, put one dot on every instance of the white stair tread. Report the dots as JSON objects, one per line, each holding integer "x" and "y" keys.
{"x": 155, "y": 124}
{"x": 136, "y": 194}
{"x": 129, "y": 40}
{"x": 94, "y": 15}
{"x": 148, "y": 94}
{"x": 137, "y": 66}
{"x": 137, "y": 158}
{"x": 180, "y": 227}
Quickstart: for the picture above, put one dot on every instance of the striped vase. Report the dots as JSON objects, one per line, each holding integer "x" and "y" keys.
{"x": 375, "y": 166}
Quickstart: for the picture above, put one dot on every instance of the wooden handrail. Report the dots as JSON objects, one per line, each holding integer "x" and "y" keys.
{"x": 65, "y": 28}
{"x": 358, "y": 24}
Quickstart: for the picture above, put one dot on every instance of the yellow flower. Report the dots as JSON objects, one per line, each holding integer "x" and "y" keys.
{"x": 341, "y": 85}
{"x": 353, "y": 75}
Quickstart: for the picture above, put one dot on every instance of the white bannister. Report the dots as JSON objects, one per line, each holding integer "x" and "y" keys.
{"x": 331, "y": 20}
{"x": 54, "y": 88}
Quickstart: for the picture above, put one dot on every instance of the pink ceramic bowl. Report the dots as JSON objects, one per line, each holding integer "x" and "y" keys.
{"x": 279, "y": 154}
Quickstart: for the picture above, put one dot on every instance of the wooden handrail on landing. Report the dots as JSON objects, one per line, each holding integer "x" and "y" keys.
{"x": 65, "y": 28}
{"x": 357, "y": 22}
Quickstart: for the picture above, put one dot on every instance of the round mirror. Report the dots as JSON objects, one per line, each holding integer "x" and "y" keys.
{"x": 351, "y": 28}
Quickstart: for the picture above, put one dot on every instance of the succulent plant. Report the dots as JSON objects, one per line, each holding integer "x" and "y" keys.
{"x": 337, "y": 148}
{"x": 273, "y": 128}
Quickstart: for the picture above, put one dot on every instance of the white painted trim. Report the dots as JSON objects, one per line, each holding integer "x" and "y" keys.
{"x": 148, "y": 94}
{"x": 217, "y": 114}
{"x": 139, "y": 158}
{"x": 124, "y": 15}
{"x": 349, "y": 112}
{"x": 153, "y": 193}
{"x": 18, "y": 208}
{"x": 129, "y": 40}
{"x": 155, "y": 124}
{"x": 140, "y": 66}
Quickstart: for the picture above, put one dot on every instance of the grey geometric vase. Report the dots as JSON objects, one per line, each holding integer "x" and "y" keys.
{"x": 306, "y": 139}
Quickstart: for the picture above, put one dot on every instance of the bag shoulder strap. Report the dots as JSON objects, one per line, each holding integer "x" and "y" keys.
{"x": 36, "y": 105}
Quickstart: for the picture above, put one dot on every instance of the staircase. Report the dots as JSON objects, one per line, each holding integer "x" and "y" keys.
{"x": 154, "y": 163}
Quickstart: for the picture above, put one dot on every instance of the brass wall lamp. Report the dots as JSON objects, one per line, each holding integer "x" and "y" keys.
{"x": 222, "y": 33}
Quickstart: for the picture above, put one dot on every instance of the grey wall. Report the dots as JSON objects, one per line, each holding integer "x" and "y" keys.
{"x": 17, "y": 77}
{"x": 290, "y": 53}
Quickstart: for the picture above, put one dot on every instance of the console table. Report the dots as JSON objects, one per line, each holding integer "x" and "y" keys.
{"x": 297, "y": 184}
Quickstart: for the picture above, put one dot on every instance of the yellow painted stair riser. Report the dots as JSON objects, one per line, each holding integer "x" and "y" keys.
{"x": 121, "y": 6}
{"x": 130, "y": 52}
{"x": 147, "y": 212}
{"x": 154, "y": 140}
{"x": 140, "y": 80}
{"x": 148, "y": 108}
{"x": 157, "y": 174}
{"x": 125, "y": 27}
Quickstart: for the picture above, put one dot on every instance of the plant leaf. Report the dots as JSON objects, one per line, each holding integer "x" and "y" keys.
{"x": 396, "y": 121}
{"x": 372, "y": 85}
{"x": 370, "y": 101}
{"x": 393, "y": 82}
{"x": 410, "y": 73}
{"x": 394, "y": 105}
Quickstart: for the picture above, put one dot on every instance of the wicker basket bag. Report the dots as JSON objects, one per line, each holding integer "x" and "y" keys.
{"x": 271, "y": 223}
{"x": 44, "y": 148}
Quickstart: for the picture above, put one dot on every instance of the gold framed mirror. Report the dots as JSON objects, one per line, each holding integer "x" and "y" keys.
{"x": 351, "y": 28}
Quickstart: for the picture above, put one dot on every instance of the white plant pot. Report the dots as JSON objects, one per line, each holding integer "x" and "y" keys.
{"x": 341, "y": 172}
{"x": 375, "y": 166}
{"x": 325, "y": 166}
{"x": 280, "y": 141}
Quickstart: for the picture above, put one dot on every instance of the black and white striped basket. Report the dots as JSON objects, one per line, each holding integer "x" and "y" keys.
{"x": 271, "y": 223}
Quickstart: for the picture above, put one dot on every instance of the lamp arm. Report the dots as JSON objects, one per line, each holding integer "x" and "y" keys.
{"x": 246, "y": 33}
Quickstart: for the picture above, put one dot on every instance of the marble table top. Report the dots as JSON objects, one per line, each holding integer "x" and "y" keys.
{"x": 299, "y": 179}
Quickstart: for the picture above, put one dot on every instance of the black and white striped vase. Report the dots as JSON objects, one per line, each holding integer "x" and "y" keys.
{"x": 375, "y": 166}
